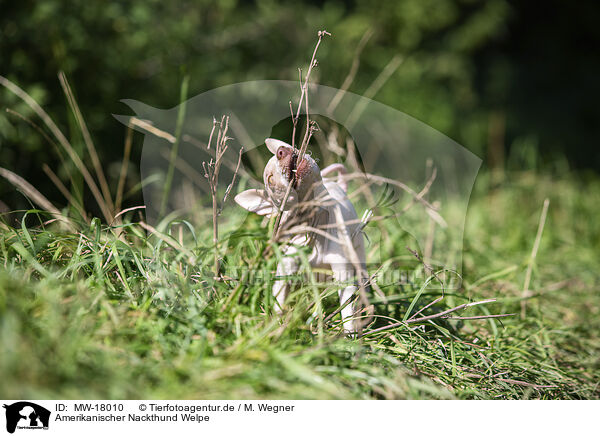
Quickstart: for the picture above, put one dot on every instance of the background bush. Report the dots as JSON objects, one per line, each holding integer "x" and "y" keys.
{"x": 514, "y": 82}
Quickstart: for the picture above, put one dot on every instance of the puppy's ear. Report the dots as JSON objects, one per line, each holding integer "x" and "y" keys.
{"x": 274, "y": 144}
{"x": 257, "y": 201}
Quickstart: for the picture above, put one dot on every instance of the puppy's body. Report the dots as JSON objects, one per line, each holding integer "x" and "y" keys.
{"x": 321, "y": 209}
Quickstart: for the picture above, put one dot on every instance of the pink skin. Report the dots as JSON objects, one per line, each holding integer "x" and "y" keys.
{"x": 339, "y": 252}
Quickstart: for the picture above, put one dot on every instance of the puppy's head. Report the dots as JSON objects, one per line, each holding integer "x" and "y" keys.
{"x": 282, "y": 170}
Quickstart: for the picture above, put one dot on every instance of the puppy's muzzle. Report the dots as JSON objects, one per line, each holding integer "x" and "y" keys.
{"x": 293, "y": 170}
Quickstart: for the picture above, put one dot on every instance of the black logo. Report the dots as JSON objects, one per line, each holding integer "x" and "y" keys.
{"x": 26, "y": 415}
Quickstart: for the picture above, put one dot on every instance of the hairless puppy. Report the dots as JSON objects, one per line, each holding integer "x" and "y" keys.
{"x": 318, "y": 214}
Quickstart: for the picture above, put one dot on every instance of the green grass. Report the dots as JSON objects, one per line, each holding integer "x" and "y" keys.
{"x": 116, "y": 313}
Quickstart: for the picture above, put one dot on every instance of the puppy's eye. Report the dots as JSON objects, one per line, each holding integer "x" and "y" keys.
{"x": 281, "y": 152}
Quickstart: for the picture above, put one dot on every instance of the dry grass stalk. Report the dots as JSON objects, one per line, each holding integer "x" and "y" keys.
{"x": 522, "y": 383}
{"x": 124, "y": 165}
{"x": 351, "y": 253}
{"x": 148, "y": 127}
{"x": 129, "y": 209}
{"x": 187, "y": 170}
{"x": 64, "y": 191}
{"x": 373, "y": 89}
{"x": 303, "y": 98}
{"x": 35, "y": 195}
{"x": 443, "y": 314}
{"x": 353, "y": 70}
{"x": 211, "y": 172}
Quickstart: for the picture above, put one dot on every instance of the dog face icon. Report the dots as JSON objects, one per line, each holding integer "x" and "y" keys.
{"x": 26, "y": 414}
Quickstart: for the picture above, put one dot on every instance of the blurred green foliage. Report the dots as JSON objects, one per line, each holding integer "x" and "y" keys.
{"x": 463, "y": 62}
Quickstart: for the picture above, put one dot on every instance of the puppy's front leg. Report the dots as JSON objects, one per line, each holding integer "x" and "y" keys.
{"x": 348, "y": 324}
{"x": 345, "y": 276}
{"x": 287, "y": 266}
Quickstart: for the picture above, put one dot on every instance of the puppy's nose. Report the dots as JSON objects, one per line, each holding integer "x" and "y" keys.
{"x": 303, "y": 169}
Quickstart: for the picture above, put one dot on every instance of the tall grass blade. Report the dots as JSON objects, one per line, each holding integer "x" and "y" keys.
{"x": 62, "y": 140}
{"x": 175, "y": 148}
{"x": 87, "y": 139}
